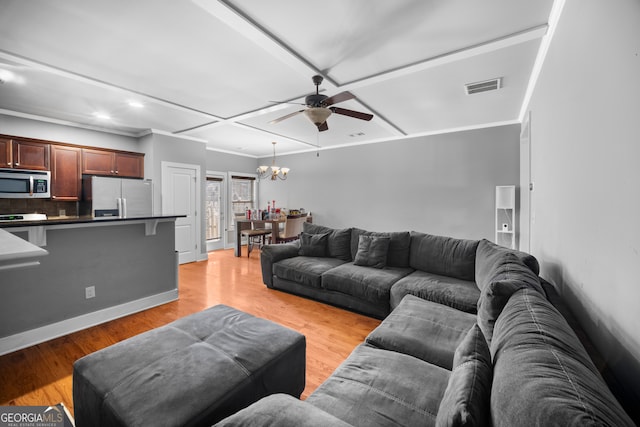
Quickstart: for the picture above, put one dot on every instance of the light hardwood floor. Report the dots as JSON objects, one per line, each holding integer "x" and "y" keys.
{"x": 41, "y": 375}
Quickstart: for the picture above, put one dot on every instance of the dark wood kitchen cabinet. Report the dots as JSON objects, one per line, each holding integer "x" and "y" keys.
{"x": 66, "y": 173}
{"x": 20, "y": 154}
{"x": 129, "y": 165}
{"x": 6, "y": 160}
{"x": 112, "y": 163}
{"x": 30, "y": 155}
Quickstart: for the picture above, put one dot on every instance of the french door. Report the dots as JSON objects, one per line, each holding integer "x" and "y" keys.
{"x": 215, "y": 211}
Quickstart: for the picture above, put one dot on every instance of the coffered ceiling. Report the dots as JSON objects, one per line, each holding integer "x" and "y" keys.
{"x": 220, "y": 71}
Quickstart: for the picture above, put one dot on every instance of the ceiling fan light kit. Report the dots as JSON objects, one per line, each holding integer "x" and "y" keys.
{"x": 275, "y": 172}
{"x": 317, "y": 115}
{"x": 318, "y": 110}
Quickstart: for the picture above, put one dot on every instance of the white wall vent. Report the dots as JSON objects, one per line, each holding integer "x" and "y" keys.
{"x": 484, "y": 86}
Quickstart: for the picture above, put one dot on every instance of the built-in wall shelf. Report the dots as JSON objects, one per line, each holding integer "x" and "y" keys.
{"x": 505, "y": 226}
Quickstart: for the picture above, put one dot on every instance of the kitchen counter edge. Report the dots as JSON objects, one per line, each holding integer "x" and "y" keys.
{"x": 82, "y": 220}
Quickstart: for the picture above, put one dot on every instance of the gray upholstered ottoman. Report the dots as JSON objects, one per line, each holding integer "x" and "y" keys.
{"x": 194, "y": 371}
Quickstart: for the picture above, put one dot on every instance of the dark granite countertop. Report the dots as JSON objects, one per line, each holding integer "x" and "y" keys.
{"x": 81, "y": 220}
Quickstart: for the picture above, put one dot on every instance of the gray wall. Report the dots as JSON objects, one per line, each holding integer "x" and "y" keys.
{"x": 441, "y": 184}
{"x": 119, "y": 260}
{"x": 224, "y": 162}
{"x": 585, "y": 151}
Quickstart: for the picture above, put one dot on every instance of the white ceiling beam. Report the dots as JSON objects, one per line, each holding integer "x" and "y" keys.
{"x": 554, "y": 17}
{"x": 248, "y": 28}
{"x": 450, "y": 57}
{"x": 266, "y": 41}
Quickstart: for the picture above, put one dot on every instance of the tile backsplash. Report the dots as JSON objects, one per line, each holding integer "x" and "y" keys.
{"x": 45, "y": 206}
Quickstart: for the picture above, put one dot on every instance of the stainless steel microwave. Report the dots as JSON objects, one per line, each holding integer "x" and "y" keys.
{"x": 25, "y": 184}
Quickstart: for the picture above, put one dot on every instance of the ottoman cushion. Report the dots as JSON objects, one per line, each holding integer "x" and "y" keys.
{"x": 194, "y": 371}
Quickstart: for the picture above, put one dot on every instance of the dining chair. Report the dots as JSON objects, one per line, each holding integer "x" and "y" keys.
{"x": 291, "y": 230}
{"x": 255, "y": 233}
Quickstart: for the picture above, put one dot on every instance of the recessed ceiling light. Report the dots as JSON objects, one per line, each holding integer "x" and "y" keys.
{"x": 136, "y": 104}
{"x": 6, "y": 76}
{"x": 102, "y": 116}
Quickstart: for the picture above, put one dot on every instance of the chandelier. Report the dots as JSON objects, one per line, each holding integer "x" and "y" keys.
{"x": 276, "y": 172}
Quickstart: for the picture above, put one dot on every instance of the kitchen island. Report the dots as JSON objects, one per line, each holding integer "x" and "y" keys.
{"x": 89, "y": 271}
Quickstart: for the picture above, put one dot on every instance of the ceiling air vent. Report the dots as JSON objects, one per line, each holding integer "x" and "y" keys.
{"x": 493, "y": 84}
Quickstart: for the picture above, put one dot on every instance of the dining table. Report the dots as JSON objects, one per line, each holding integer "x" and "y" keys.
{"x": 247, "y": 224}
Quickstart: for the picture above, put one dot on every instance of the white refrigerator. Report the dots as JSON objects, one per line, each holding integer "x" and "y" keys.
{"x": 121, "y": 197}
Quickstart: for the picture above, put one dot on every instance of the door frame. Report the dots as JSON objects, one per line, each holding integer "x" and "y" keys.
{"x": 223, "y": 209}
{"x": 164, "y": 173}
{"x": 526, "y": 185}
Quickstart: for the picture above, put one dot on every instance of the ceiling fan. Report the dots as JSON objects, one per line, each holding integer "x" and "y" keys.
{"x": 320, "y": 107}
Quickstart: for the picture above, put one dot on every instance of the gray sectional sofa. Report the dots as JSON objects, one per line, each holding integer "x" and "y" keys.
{"x": 322, "y": 265}
{"x": 469, "y": 337}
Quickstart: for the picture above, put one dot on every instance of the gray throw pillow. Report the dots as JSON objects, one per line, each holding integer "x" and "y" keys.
{"x": 313, "y": 244}
{"x": 372, "y": 251}
{"x": 466, "y": 398}
{"x": 399, "y": 245}
{"x": 339, "y": 245}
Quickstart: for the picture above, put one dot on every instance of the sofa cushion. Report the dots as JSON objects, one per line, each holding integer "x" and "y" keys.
{"x": 305, "y": 270}
{"x": 446, "y": 256}
{"x": 542, "y": 374}
{"x": 372, "y": 251}
{"x": 370, "y": 284}
{"x": 488, "y": 253}
{"x": 509, "y": 275}
{"x": 376, "y": 388}
{"x": 339, "y": 243}
{"x": 398, "y": 255}
{"x": 281, "y": 410}
{"x": 457, "y": 293}
{"x": 313, "y": 244}
{"x": 423, "y": 329}
{"x": 466, "y": 399}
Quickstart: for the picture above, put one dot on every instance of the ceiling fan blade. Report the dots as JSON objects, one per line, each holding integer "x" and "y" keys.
{"x": 278, "y": 120}
{"x": 323, "y": 126}
{"x": 287, "y": 102}
{"x": 351, "y": 113}
{"x": 338, "y": 97}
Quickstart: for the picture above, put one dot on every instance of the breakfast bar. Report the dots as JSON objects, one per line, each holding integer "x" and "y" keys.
{"x": 81, "y": 271}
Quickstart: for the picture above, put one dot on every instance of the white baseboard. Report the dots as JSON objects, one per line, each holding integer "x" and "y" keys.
{"x": 45, "y": 333}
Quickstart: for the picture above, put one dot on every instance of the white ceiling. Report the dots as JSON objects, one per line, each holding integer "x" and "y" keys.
{"x": 210, "y": 69}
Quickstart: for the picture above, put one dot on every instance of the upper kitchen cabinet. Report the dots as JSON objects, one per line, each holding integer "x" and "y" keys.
{"x": 6, "y": 161}
{"x": 112, "y": 163}
{"x": 66, "y": 177}
{"x": 22, "y": 154}
{"x": 130, "y": 165}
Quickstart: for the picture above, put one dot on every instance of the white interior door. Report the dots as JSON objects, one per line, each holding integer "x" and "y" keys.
{"x": 180, "y": 197}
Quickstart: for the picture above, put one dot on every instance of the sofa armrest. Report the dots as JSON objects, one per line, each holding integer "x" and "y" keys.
{"x": 270, "y": 254}
{"x": 281, "y": 410}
